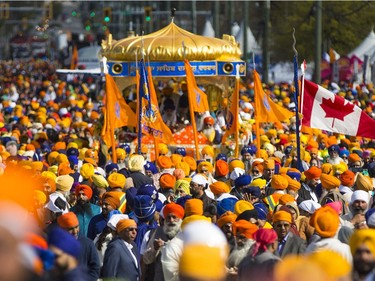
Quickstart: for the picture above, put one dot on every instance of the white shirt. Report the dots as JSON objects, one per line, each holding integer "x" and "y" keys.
{"x": 130, "y": 247}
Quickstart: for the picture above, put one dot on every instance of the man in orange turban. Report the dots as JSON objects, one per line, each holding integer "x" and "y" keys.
{"x": 110, "y": 202}
{"x": 307, "y": 190}
{"x": 121, "y": 259}
{"x": 173, "y": 214}
{"x": 88, "y": 258}
{"x": 243, "y": 231}
{"x": 84, "y": 210}
{"x": 289, "y": 243}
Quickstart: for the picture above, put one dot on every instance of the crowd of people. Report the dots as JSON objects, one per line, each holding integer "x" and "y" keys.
{"x": 68, "y": 212}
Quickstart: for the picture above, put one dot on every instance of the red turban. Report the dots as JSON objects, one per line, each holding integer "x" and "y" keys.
{"x": 86, "y": 190}
{"x": 264, "y": 237}
{"x": 174, "y": 208}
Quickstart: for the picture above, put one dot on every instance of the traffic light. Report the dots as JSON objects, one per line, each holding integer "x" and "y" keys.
{"x": 88, "y": 25}
{"x": 148, "y": 12}
{"x": 107, "y": 14}
{"x": 4, "y": 13}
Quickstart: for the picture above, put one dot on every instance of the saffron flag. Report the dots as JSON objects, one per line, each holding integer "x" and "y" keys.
{"x": 155, "y": 124}
{"x": 265, "y": 109}
{"x": 117, "y": 112}
{"x": 74, "y": 61}
{"x": 324, "y": 110}
{"x": 200, "y": 102}
{"x": 232, "y": 117}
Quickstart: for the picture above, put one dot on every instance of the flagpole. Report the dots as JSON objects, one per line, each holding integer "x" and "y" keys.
{"x": 257, "y": 133}
{"x": 139, "y": 109}
{"x": 236, "y": 129}
{"x": 192, "y": 116}
{"x": 156, "y": 141}
{"x": 303, "y": 68}
{"x": 296, "y": 94}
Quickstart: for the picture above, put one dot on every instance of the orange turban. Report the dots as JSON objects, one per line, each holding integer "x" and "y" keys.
{"x": 244, "y": 227}
{"x": 167, "y": 181}
{"x": 176, "y": 158}
{"x": 193, "y": 207}
{"x": 164, "y": 162}
{"x": 235, "y": 163}
{"x": 329, "y": 182}
{"x": 293, "y": 184}
{"x": 64, "y": 169}
{"x": 86, "y": 190}
{"x": 227, "y": 217}
{"x": 112, "y": 199}
{"x": 269, "y": 164}
{"x": 286, "y": 198}
{"x": 68, "y": 220}
{"x": 326, "y": 221}
{"x": 313, "y": 173}
{"x": 174, "y": 208}
{"x": 191, "y": 162}
{"x": 327, "y": 168}
{"x": 221, "y": 168}
{"x": 259, "y": 166}
{"x": 282, "y": 216}
{"x": 353, "y": 157}
{"x": 116, "y": 180}
{"x": 347, "y": 178}
{"x": 205, "y": 164}
{"x": 219, "y": 187}
{"x": 279, "y": 182}
{"x": 124, "y": 224}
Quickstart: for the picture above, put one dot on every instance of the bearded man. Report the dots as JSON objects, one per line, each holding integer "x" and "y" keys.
{"x": 243, "y": 231}
{"x": 150, "y": 250}
{"x": 84, "y": 210}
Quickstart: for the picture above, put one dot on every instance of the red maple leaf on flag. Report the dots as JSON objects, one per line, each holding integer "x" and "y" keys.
{"x": 336, "y": 109}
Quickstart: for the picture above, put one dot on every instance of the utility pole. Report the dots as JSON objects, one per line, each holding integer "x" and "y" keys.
{"x": 318, "y": 40}
{"x": 266, "y": 56}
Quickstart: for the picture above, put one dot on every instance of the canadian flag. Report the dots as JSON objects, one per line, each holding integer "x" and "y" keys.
{"x": 324, "y": 110}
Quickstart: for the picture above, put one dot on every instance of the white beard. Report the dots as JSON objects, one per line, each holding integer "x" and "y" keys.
{"x": 171, "y": 231}
{"x": 209, "y": 133}
{"x": 238, "y": 253}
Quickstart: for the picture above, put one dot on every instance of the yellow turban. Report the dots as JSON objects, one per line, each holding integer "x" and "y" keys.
{"x": 362, "y": 236}
{"x": 87, "y": 170}
{"x": 116, "y": 180}
{"x": 242, "y": 206}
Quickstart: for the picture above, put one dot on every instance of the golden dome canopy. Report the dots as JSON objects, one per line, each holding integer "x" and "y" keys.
{"x": 167, "y": 44}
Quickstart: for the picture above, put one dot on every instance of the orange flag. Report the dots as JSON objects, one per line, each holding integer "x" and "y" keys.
{"x": 265, "y": 109}
{"x": 233, "y": 124}
{"x": 200, "y": 102}
{"x": 74, "y": 62}
{"x": 117, "y": 113}
{"x": 156, "y": 125}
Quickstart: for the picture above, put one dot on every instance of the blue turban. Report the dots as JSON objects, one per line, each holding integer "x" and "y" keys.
{"x": 253, "y": 190}
{"x": 225, "y": 205}
{"x": 150, "y": 190}
{"x": 144, "y": 207}
{"x": 63, "y": 240}
{"x": 151, "y": 167}
{"x": 242, "y": 181}
{"x": 110, "y": 167}
{"x": 261, "y": 210}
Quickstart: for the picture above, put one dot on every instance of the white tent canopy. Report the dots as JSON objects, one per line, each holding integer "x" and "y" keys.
{"x": 367, "y": 47}
{"x": 208, "y": 30}
{"x": 252, "y": 44}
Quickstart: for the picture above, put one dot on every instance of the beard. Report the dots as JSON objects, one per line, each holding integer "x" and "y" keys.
{"x": 83, "y": 207}
{"x": 172, "y": 229}
{"x": 209, "y": 133}
{"x": 363, "y": 268}
{"x": 239, "y": 252}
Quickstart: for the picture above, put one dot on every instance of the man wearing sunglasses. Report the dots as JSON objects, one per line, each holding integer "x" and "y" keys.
{"x": 121, "y": 260}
